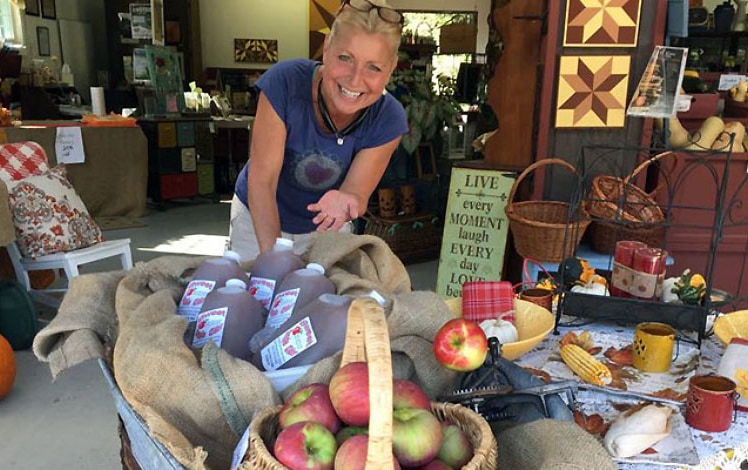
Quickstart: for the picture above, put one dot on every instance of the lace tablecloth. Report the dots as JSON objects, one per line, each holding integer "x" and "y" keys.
{"x": 725, "y": 450}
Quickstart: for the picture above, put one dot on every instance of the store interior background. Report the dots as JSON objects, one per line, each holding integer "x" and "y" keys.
{"x": 220, "y": 22}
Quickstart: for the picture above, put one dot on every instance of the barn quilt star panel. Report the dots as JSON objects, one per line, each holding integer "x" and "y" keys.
{"x": 592, "y": 91}
{"x": 595, "y": 23}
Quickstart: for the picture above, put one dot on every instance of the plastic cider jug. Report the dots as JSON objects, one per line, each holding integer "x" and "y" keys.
{"x": 313, "y": 332}
{"x": 209, "y": 275}
{"x": 229, "y": 317}
{"x": 297, "y": 289}
{"x": 270, "y": 268}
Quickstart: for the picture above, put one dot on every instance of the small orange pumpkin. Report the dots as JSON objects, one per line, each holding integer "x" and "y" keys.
{"x": 7, "y": 367}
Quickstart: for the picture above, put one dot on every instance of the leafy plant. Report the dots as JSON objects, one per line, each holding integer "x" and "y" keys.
{"x": 429, "y": 107}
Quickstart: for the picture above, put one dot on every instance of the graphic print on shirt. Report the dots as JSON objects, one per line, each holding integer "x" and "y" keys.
{"x": 316, "y": 171}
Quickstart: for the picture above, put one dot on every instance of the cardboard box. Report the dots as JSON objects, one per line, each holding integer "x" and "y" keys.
{"x": 458, "y": 38}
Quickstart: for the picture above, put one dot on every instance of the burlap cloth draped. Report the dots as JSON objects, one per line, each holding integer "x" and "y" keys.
{"x": 199, "y": 405}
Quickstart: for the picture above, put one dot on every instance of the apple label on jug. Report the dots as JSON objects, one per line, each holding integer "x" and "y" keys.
{"x": 282, "y": 308}
{"x": 295, "y": 340}
{"x": 262, "y": 290}
{"x": 209, "y": 327}
{"x": 193, "y": 298}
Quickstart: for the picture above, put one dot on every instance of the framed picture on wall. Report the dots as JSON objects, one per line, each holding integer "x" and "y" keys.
{"x": 42, "y": 40}
{"x": 48, "y": 9}
{"x": 32, "y": 7}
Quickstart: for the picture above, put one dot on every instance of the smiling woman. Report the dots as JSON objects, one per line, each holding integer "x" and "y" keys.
{"x": 328, "y": 130}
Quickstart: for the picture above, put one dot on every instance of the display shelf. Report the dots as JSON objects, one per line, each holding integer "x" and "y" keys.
{"x": 701, "y": 196}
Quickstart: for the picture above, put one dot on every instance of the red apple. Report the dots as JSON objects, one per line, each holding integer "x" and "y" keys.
{"x": 348, "y": 432}
{"x": 306, "y": 446}
{"x": 460, "y": 345}
{"x": 407, "y": 394}
{"x": 436, "y": 464}
{"x": 349, "y": 393}
{"x": 310, "y": 403}
{"x": 352, "y": 454}
{"x": 416, "y": 436}
{"x": 456, "y": 450}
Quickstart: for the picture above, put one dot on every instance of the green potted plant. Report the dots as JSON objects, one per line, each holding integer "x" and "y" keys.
{"x": 429, "y": 106}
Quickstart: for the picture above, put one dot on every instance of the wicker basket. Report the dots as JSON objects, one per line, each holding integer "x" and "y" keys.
{"x": 625, "y": 211}
{"x": 545, "y": 230}
{"x": 617, "y": 199}
{"x": 412, "y": 238}
{"x": 367, "y": 339}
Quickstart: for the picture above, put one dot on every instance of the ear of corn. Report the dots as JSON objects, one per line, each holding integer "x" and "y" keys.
{"x": 585, "y": 366}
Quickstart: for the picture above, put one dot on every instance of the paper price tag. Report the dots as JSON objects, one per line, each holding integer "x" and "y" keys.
{"x": 730, "y": 80}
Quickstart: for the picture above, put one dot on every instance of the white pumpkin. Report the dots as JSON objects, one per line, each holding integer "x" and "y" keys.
{"x": 503, "y": 330}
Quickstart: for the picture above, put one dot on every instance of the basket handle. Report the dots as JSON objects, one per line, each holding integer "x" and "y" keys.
{"x": 527, "y": 273}
{"x": 367, "y": 339}
{"x": 538, "y": 164}
{"x": 641, "y": 166}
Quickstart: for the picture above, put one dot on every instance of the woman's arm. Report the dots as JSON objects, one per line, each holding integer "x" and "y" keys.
{"x": 266, "y": 154}
{"x": 336, "y": 207}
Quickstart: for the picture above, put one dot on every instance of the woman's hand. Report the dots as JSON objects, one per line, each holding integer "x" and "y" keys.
{"x": 334, "y": 209}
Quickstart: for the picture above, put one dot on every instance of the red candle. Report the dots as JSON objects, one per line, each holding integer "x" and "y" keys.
{"x": 650, "y": 260}
{"x": 625, "y": 249}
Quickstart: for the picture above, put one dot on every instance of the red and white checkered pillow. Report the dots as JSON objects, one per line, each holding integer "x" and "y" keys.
{"x": 21, "y": 159}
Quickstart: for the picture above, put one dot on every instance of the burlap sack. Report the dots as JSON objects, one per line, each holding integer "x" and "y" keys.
{"x": 211, "y": 398}
{"x": 551, "y": 445}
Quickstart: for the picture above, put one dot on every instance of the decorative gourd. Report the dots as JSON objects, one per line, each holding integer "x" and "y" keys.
{"x": 7, "y": 367}
{"x": 710, "y": 129}
{"x": 733, "y": 128}
{"x": 502, "y": 330}
{"x": 576, "y": 270}
{"x": 597, "y": 285}
{"x": 679, "y": 136}
{"x": 690, "y": 288}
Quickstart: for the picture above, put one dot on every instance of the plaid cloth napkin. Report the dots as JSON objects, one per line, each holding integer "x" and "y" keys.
{"x": 483, "y": 300}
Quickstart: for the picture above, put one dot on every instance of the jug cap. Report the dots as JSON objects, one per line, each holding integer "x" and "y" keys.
{"x": 316, "y": 267}
{"x": 283, "y": 243}
{"x": 377, "y": 297}
{"x": 236, "y": 283}
{"x": 233, "y": 256}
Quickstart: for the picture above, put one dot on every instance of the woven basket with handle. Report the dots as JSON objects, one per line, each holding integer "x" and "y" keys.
{"x": 367, "y": 339}
{"x": 545, "y": 230}
{"x": 625, "y": 211}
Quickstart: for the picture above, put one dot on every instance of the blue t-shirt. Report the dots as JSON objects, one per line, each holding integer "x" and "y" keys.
{"x": 314, "y": 162}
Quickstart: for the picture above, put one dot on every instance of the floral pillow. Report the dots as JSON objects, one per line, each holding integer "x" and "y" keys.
{"x": 49, "y": 216}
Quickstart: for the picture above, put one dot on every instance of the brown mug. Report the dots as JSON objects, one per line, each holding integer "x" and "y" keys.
{"x": 542, "y": 297}
{"x": 710, "y": 405}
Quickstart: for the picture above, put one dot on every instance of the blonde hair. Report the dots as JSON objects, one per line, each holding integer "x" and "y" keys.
{"x": 368, "y": 21}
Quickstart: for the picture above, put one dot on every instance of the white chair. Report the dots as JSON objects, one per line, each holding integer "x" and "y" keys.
{"x": 21, "y": 159}
{"x": 68, "y": 262}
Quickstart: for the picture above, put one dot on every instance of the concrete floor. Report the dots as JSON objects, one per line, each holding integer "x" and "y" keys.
{"x": 71, "y": 423}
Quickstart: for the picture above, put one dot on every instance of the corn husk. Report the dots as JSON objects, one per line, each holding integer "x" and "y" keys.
{"x": 638, "y": 429}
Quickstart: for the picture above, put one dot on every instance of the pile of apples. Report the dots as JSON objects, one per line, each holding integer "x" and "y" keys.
{"x": 326, "y": 427}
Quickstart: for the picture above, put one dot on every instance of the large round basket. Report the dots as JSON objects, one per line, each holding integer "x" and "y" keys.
{"x": 545, "y": 230}
{"x": 367, "y": 339}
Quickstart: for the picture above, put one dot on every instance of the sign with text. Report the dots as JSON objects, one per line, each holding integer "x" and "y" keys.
{"x": 475, "y": 229}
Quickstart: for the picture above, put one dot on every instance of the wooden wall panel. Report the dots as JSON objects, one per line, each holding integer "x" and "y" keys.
{"x": 568, "y": 143}
{"x": 512, "y": 90}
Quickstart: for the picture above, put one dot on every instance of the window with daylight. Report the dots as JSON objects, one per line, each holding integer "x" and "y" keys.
{"x": 10, "y": 22}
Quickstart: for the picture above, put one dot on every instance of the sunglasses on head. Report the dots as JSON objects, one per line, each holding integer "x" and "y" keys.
{"x": 385, "y": 13}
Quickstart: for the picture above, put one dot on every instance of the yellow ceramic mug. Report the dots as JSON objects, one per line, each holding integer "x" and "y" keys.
{"x": 653, "y": 347}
